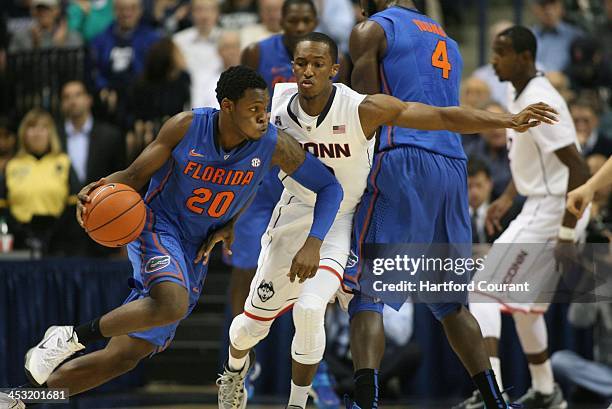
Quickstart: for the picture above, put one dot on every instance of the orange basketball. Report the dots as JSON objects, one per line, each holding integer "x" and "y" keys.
{"x": 115, "y": 215}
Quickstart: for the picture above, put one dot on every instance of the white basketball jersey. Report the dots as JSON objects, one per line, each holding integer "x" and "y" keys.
{"x": 335, "y": 137}
{"x": 536, "y": 169}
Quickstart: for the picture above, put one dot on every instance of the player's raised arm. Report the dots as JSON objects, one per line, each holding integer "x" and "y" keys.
{"x": 313, "y": 175}
{"x": 147, "y": 163}
{"x": 379, "y": 109}
{"x": 366, "y": 45}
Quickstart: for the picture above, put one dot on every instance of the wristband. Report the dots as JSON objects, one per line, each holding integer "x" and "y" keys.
{"x": 567, "y": 233}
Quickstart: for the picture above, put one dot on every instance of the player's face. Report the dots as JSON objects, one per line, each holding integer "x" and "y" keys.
{"x": 313, "y": 68}
{"x": 299, "y": 20}
{"x": 505, "y": 60}
{"x": 249, "y": 114}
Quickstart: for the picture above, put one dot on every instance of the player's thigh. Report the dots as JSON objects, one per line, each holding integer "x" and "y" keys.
{"x": 125, "y": 348}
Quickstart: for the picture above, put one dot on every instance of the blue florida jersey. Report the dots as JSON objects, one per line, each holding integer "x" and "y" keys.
{"x": 275, "y": 62}
{"x": 421, "y": 64}
{"x": 201, "y": 187}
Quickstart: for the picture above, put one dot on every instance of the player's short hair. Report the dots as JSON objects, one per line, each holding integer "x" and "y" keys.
{"x": 522, "y": 38}
{"x": 289, "y": 3}
{"x": 317, "y": 37}
{"x": 236, "y": 80}
{"x": 476, "y": 165}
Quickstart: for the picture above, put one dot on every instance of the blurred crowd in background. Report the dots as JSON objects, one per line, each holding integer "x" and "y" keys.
{"x": 86, "y": 84}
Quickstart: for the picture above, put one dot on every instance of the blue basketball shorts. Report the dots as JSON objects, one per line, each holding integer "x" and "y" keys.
{"x": 412, "y": 196}
{"x": 159, "y": 256}
{"x": 253, "y": 223}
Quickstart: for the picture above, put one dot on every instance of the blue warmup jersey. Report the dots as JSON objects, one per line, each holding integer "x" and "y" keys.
{"x": 274, "y": 67}
{"x": 275, "y": 62}
{"x": 199, "y": 189}
{"x": 417, "y": 188}
{"x": 421, "y": 64}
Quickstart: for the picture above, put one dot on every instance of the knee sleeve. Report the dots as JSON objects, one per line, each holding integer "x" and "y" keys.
{"x": 531, "y": 330}
{"x": 246, "y": 332}
{"x": 309, "y": 339}
{"x": 488, "y": 316}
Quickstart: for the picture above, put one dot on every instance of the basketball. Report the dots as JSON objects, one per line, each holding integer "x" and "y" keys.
{"x": 115, "y": 215}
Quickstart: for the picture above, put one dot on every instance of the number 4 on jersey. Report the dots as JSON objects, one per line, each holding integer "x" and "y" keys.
{"x": 439, "y": 59}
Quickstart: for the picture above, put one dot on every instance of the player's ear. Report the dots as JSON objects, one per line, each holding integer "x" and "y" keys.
{"x": 227, "y": 105}
{"x": 334, "y": 71}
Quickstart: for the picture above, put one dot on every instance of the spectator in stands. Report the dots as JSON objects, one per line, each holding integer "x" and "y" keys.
{"x": 554, "y": 35}
{"x": 236, "y": 14}
{"x": 89, "y": 17}
{"x": 7, "y": 143}
{"x": 118, "y": 53}
{"x": 163, "y": 88}
{"x": 229, "y": 48}
{"x": 593, "y": 375}
{"x": 48, "y": 29}
{"x": 95, "y": 149}
{"x": 585, "y": 112}
{"x": 480, "y": 187}
{"x": 199, "y": 45}
{"x": 336, "y": 19}
{"x": 499, "y": 90}
{"x": 474, "y": 92}
{"x": 603, "y": 32}
{"x": 587, "y": 70}
{"x": 168, "y": 15}
{"x": 37, "y": 183}
{"x": 270, "y": 23}
{"x": 490, "y": 147}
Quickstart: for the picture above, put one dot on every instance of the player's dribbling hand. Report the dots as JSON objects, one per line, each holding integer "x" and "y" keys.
{"x": 495, "y": 213}
{"x": 534, "y": 115}
{"x": 84, "y": 198}
{"x": 224, "y": 234}
{"x": 578, "y": 200}
{"x": 306, "y": 261}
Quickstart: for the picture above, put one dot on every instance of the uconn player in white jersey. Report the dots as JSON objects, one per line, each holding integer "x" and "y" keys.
{"x": 338, "y": 125}
{"x": 545, "y": 164}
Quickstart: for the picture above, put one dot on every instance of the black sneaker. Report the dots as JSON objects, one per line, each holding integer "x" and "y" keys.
{"x": 537, "y": 400}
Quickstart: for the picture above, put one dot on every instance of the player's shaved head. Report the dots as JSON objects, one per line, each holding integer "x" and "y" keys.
{"x": 288, "y": 3}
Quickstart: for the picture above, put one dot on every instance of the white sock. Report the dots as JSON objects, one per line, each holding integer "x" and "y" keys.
{"x": 236, "y": 364}
{"x": 496, "y": 366}
{"x": 542, "y": 377}
{"x": 299, "y": 395}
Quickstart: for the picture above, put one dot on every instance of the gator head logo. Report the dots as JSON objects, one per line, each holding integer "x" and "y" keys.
{"x": 157, "y": 263}
{"x": 265, "y": 291}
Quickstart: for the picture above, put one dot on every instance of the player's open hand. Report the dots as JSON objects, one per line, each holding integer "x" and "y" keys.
{"x": 495, "y": 213}
{"x": 306, "y": 261}
{"x": 578, "y": 199}
{"x": 534, "y": 115}
{"x": 84, "y": 198}
{"x": 224, "y": 234}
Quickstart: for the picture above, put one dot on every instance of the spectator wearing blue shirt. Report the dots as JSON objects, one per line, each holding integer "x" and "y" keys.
{"x": 554, "y": 35}
{"x": 118, "y": 53}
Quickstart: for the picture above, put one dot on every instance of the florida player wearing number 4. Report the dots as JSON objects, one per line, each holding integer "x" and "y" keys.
{"x": 204, "y": 167}
{"x": 338, "y": 125}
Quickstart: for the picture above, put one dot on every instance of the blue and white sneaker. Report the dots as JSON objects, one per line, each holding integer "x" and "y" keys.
{"x": 322, "y": 390}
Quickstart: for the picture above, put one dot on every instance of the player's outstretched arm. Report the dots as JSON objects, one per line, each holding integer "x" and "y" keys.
{"x": 313, "y": 175}
{"x": 147, "y": 163}
{"x": 379, "y": 109}
{"x": 579, "y": 198}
